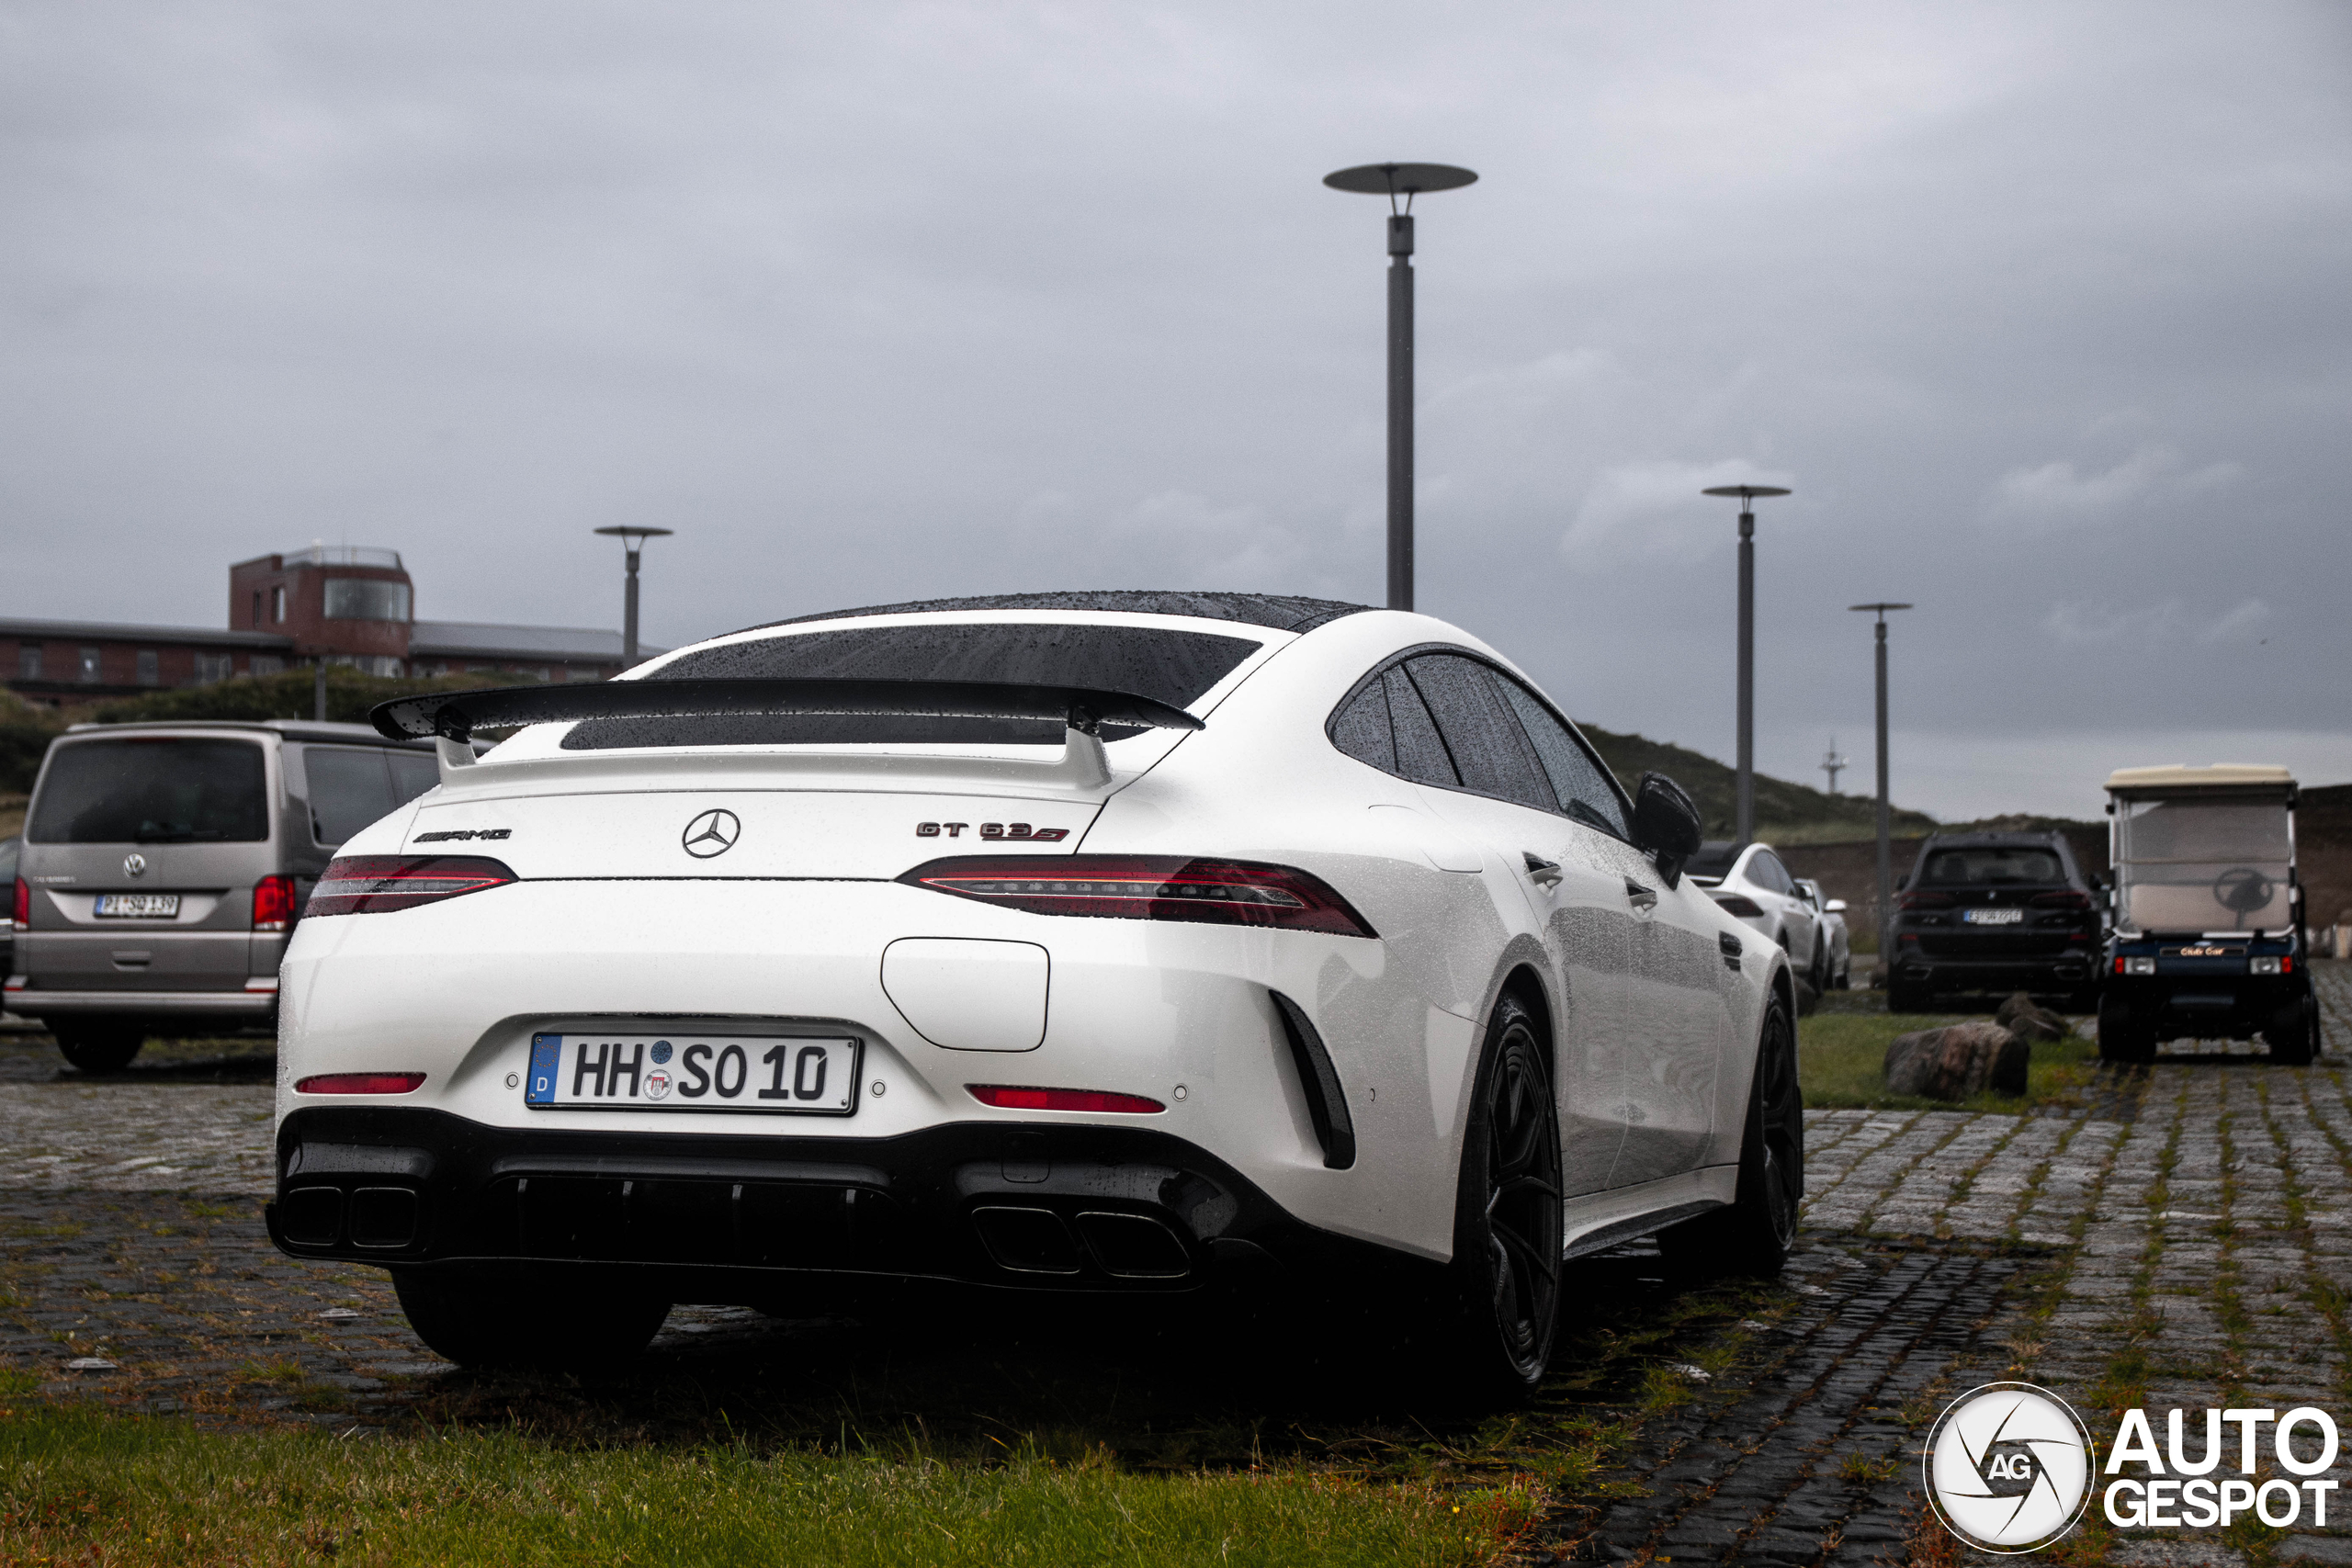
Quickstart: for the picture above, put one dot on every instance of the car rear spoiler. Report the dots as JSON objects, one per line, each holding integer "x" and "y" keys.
{"x": 451, "y": 717}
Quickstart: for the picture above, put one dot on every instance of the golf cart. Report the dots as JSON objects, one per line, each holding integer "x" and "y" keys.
{"x": 2208, "y": 938}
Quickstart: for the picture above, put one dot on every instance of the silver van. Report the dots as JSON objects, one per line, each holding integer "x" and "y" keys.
{"x": 163, "y": 865}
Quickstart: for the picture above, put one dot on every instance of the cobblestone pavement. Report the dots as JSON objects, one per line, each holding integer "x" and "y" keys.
{"x": 2185, "y": 1242}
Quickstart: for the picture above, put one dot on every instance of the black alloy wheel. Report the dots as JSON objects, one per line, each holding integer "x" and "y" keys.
{"x": 98, "y": 1044}
{"x": 1755, "y": 1233}
{"x": 1509, "y": 1228}
{"x": 480, "y": 1321}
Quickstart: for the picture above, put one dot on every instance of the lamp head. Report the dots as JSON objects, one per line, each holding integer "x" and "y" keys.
{"x": 633, "y": 536}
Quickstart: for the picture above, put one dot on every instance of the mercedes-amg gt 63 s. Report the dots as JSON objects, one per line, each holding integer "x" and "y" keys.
{"x": 1111, "y": 942}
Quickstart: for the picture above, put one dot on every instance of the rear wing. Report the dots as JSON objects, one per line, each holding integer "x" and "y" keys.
{"x": 449, "y": 719}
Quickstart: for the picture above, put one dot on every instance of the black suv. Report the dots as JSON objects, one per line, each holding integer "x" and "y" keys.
{"x": 1995, "y": 912}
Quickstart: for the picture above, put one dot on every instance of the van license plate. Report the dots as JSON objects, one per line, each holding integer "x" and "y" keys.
{"x": 690, "y": 1072}
{"x": 138, "y": 905}
{"x": 1993, "y": 917}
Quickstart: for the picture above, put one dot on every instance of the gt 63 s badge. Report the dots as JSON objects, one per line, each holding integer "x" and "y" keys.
{"x": 2008, "y": 1467}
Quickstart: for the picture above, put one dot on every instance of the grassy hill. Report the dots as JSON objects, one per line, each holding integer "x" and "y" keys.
{"x": 1785, "y": 813}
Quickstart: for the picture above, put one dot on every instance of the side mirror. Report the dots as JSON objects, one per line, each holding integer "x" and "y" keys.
{"x": 1665, "y": 825}
{"x": 1836, "y": 906}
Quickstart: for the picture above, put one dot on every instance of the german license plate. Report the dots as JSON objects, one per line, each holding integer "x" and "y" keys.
{"x": 1993, "y": 917}
{"x": 693, "y": 1072}
{"x": 138, "y": 905}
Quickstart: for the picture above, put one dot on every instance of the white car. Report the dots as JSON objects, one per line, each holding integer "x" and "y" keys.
{"x": 1831, "y": 912}
{"x": 1755, "y": 887}
{"x": 1110, "y": 942}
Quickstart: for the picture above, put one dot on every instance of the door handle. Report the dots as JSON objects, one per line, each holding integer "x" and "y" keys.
{"x": 1541, "y": 872}
{"x": 1641, "y": 898}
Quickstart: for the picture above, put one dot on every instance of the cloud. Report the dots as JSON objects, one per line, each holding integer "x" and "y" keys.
{"x": 2151, "y": 628}
{"x": 1654, "y": 510}
{"x": 2058, "y": 492}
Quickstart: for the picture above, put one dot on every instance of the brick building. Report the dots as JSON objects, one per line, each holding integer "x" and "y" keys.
{"x": 337, "y": 604}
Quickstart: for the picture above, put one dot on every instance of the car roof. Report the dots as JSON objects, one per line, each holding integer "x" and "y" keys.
{"x": 284, "y": 728}
{"x": 1278, "y": 611}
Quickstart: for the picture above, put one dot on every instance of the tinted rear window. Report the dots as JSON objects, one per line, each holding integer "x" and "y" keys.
{"x": 1995, "y": 866}
{"x": 1176, "y": 667}
{"x": 152, "y": 791}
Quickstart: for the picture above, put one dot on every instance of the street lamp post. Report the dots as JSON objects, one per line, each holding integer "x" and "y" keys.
{"x": 632, "y": 539}
{"x": 1885, "y": 845}
{"x": 1393, "y": 180}
{"x": 1746, "y": 800}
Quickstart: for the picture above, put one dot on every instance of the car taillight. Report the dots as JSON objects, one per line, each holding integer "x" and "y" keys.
{"x": 273, "y": 903}
{"x": 1148, "y": 888}
{"x": 1923, "y": 901}
{"x": 21, "y": 914}
{"x": 2061, "y": 901}
{"x": 1738, "y": 904}
{"x": 375, "y": 884}
{"x": 358, "y": 1083}
{"x": 1006, "y": 1097}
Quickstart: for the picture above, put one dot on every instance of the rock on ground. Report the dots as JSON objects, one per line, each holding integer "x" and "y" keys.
{"x": 1956, "y": 1061}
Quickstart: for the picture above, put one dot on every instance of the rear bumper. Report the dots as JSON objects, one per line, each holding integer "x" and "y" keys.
{"x": 2002, "y": 972}
{"x": 41, "y": 1002}
{"x": 721, "y": 1218}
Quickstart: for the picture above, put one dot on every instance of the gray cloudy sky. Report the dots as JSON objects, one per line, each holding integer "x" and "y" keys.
{"x": 2040, "y": 309}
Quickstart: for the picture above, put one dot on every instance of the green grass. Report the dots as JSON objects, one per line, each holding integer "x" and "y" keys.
{"x": 1841, "y": 1059}
{"x": 77, "y": 1486}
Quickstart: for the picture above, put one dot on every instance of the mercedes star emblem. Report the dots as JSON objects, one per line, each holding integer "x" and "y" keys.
{"x": 134, "y": 864}
{"x": 712, "y": 833}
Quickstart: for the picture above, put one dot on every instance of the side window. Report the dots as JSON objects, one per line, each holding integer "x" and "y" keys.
{"x": 1581, "y": 783}
{"x": 1361, "y": 727}
{"x": 1489, "y": 750}
{"x": 412, "y": 775}
{"x": 1766, "y": 870}
{"x": 350, "y": 787}
{"x": 1421, "y": 755}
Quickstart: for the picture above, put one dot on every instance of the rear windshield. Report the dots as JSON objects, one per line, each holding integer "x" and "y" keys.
{"x": 351, "y": 786}
{"x": 1176, "y": 667}
{"x": 1993, "y": 866}
{"x": 152, "y": 791}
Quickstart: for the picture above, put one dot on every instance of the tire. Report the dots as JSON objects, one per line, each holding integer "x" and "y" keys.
{"x": 2293, "y": 1032}
{"x": 1507, "y": 1227}
{"x": 1756, "y": 1233}
{"x": 2123, "y": 1036}
{"x": 1818, "y": 975}
{"x": 1907, "y": 995}
{"x": 98, "y": 1044}
{"x": 476, "y": 1321}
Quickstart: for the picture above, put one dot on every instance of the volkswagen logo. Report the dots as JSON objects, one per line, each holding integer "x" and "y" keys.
{"x": 134, "y": 864}
{"x": 712, "y": 833}
{"x": 2009, "y": 1467}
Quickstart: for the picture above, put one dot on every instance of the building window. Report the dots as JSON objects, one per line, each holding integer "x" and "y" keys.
{"x": 256, "y": 606}
{"x": 150, "y": 667}
{"x": 363, "y": 599}
{"x": 260, "y": 664}
{"x": 578, "y": 672}
{"x": 29, "y": 662}
{"x": 277, "y": 604}
{"x": 211, "y": 667}
{"x": 90, "y": 664}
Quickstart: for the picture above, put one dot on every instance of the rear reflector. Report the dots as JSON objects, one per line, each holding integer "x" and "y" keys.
{"x": 1736, "y": 904}
{"x": 1006, "y": 1097}
{"x": 358, "y": 1083}
{"x": 374, "y": 885}
{"x": 1148, "y": 888}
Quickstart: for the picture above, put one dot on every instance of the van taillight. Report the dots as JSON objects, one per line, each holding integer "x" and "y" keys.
{"x": 273, "y": 903}
{"x": 21, "y": 914}
{"x": 1148, "y": 888}
{"x": 375, "y": 884}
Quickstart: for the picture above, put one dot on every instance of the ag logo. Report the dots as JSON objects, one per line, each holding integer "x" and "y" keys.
{"x": 2008, "y": 1467}
{"x": 711, "y": 833}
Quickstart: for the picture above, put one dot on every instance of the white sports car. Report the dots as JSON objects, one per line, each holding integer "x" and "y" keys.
{"x": 1117, "y": 943}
